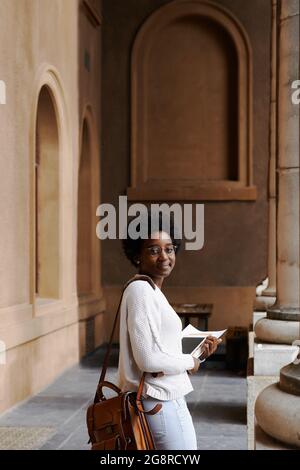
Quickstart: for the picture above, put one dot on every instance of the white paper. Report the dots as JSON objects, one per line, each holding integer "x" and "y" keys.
{"x": 191, "y": 332}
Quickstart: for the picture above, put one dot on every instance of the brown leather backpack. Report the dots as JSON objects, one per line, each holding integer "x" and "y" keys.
{"x": 119, "y": 423}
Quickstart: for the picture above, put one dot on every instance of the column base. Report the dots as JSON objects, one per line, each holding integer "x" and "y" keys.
{"x": 265, "y": 442}
{"x": 269, "y": 292}
{"x": 257, "y": 315}
{"x": 277, "y": 331}
{"x": 278, "y": 414}
{"x": 264, "y": 302}
{"x": 290, "y": 379}
{"x": 284, "y": 313}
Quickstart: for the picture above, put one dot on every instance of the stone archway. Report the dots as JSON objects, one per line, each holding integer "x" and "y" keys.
{"x": 90, "y": 297}
{"x": 47, "y": 273}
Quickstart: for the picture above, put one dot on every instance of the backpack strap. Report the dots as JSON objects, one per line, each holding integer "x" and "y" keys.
{"x": 141, "y": 277}
{"x": 137, "y": 277}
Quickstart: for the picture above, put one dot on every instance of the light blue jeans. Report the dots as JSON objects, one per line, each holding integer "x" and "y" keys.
{"x": 172, "y": 427}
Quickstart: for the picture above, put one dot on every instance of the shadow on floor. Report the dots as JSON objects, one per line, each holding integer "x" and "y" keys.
{"x": 229, "y": 412}
{"x": 95, "y": 359}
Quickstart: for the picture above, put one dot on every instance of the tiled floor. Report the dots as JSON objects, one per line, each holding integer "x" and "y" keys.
{"x": 55, "y": 418}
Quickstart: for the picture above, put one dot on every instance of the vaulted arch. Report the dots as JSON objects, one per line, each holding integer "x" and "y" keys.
{"x": 51, "y": 241}
{"x": 191, "y": 106}
{"x": 47, "y": 197}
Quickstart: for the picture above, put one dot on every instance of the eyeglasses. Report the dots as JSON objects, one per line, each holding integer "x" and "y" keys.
{"x": 157, "y": 250}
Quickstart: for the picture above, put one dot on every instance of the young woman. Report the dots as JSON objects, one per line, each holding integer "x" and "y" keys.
{"x": 150, "y": 341}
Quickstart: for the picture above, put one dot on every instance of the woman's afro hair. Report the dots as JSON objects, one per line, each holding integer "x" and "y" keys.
{"x": 132, "y": 247}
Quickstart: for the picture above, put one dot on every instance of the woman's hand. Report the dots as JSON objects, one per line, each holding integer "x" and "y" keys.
{"x": 209, "y": 346}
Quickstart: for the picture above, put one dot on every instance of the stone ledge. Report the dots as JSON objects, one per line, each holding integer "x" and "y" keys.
{"x": 270, "y": 358}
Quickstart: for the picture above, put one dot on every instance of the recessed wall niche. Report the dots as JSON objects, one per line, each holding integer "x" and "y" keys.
{"x": 191, "y": 106}
{"x": 88, "y": 245}
{"x": 84, "y": 252}
{"x": 47, "y": 197}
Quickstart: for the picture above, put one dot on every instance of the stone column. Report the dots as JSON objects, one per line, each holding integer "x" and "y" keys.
{"x": 282, "y": 322}
{"x": 268, "y": 296}
{"x": 277, "y": 407}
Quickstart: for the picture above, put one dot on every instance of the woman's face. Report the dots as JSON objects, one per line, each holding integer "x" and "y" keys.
{"x": 157, "y": 257}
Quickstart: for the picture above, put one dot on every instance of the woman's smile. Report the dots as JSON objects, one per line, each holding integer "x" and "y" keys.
{"x": 164, "y": 265}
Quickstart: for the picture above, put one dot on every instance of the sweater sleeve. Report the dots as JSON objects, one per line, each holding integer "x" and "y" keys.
{"x": 144, "y": 332}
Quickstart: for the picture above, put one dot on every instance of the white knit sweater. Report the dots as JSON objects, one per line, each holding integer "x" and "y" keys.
{"x": 150, "y": 341}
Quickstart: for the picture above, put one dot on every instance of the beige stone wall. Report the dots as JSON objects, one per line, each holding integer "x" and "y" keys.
{"x": 32, "y": 365}
{"x": 39, "y": 46}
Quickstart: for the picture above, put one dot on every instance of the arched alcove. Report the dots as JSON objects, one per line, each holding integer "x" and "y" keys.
{"x": 46, "y": 197}
{"x": 85, "y": 232}
{"x": 89, "y": 290}
{"x": 88, "y": 245}
{"x": 191, "y": 106}
{"x": 52, "y": 269}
